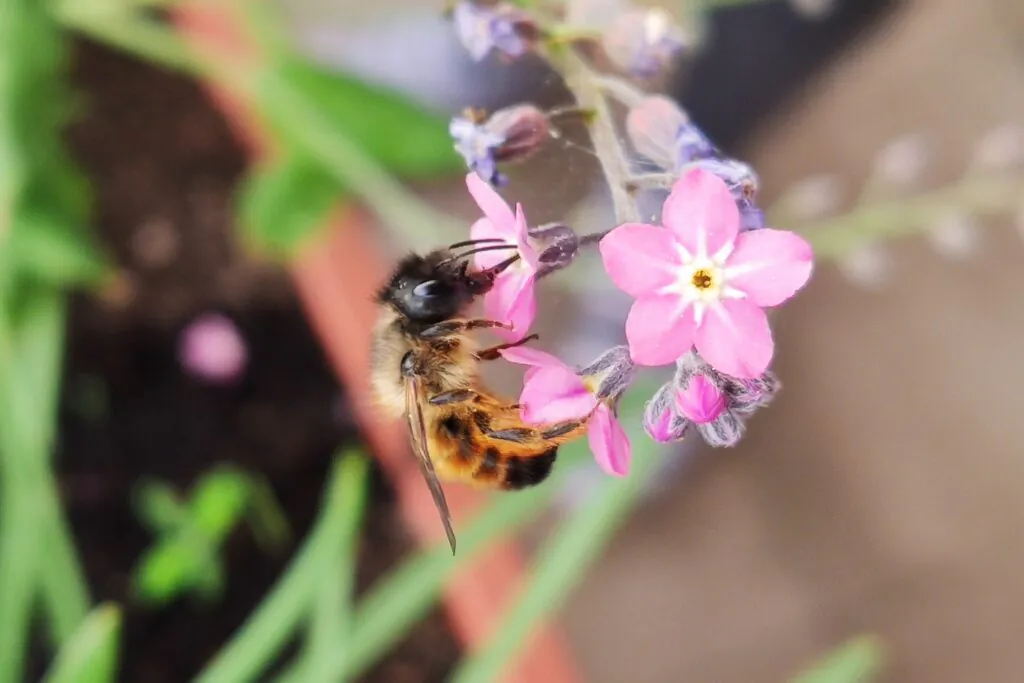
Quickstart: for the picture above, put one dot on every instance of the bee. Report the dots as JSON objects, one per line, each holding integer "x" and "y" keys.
{"x": 425, "y": 367}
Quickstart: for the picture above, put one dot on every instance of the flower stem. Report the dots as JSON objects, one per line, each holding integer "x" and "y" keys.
{"x": 869, "y": 223}
{"x": 582, "y": 82}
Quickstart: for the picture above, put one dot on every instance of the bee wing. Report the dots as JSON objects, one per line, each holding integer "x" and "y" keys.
{"x": 414, "y": 398}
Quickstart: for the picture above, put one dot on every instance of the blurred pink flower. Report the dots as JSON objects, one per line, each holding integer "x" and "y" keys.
{"x": 699, "y": 281}
{"x": 512, "y": 298}
{"x": 553, "y": 392}
{"x": 211, "y": 348}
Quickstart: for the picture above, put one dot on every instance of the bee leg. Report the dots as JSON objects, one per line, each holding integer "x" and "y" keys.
{"x": 448, "y": 327}
{"x": 562, "y": 429}
{"x": 491, "y": 353}
{"x": 454, "y": 396}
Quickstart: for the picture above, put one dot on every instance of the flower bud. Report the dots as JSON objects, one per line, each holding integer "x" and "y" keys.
{"x": 723, "y": 432}
{"x": 653, "y": 126}
{"x": 510, "y": 135}
{"x": 558, "y": 246}
{"x": 610, "y": 374}
{"x": 740, "y": 177}
{"x": 700, "y": 400}
{"x": 482, "y": 27}
{"x": 645, "y": 42}
{"x": 661, "y": 421}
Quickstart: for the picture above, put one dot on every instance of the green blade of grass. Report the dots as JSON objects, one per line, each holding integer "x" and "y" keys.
{"x": 91, "y": 654}
{"x": 859, "y": 660}
{"x": 561, "y": 563}
{"x": 274, "y": 622}
{"x": 331, "y": 621}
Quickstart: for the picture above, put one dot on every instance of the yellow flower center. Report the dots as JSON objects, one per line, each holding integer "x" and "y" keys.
{"x": 702, "y": 279}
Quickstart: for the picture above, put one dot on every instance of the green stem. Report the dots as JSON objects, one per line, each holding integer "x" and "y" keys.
{"x": 614, "y": 164}
{"x": 975, "y": 194}
{"x": 273, "y": 623}
{"x": 561, "y": 564}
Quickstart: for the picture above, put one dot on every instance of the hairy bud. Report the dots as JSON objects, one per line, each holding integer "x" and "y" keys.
{"x": 558, "y": 245}
{"x": 610, "y": 374}
{"x": 508, "y": 135}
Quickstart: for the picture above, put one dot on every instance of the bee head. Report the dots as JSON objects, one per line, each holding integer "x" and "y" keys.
{"x": 430, "y": 288}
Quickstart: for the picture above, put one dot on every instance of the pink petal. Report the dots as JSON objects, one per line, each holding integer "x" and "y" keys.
{"x": 608, "y": 442}
{"x": 769, "y": 265}
{"x": 555, "y": 394}
{"x": 524, "y": 355}
{"x": 701, "y": 401}
{"x": 526, "y": 250}
{"x": 701, "y": 213}
{"x": 640, "y": 259}
{"x": 734, "y": 338}
{"x": 659, "y": 329}
{"x": 491, "y": 203}
{"x": 484, "y": 229}
{"x": 512, "y": 300}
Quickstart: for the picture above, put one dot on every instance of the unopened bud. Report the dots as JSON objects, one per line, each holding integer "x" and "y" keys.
{"x": 723, "y": 432}
{"x": 700, "y": 400}
{"x": 661, "y": 421}
{"x": 645, "y": 42}
{"x": 509, "y": 135}
{"x": 653, "y": 126}
{"x": 500, "y": 26}
{"x": 738, "y": 176}
{"x": 610, "y": 374}
{"x": 558, "y": 245}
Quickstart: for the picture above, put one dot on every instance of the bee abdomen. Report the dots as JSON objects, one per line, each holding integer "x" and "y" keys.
{"x": 522, "y": 472}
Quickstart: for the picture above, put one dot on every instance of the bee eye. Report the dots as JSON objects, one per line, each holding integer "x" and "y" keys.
{"x": 428, "y": 289}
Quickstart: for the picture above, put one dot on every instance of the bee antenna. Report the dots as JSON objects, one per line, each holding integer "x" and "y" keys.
{"x": 468, "y": 243}
{"x": 465, "y": 254}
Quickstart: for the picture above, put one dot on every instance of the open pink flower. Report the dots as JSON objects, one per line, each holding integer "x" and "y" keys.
{"x": 698, "y": 281}
{"x": 553, "y": 392}
{"x": 512, "y": 298}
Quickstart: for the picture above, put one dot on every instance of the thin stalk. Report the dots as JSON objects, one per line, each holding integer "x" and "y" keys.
{"x": 977, "y": 194}
{"x": 614, "y": 164}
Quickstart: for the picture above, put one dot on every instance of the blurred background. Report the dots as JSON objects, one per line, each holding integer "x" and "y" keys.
{"x": 879, "y": 494}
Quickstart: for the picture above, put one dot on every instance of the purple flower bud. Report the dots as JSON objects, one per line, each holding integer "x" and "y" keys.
{"x": 691, "y": 144}
{"x": 740, "y": 177}
{"x": 751, "y": 217}
{"x": 509, "y": 135}
{"x": 645, "y": 42}
{"x": 212, "y": 349}
{"x": 558, "y": 246}
{"x": 610, "y": 374}
{"x": 482, "y": 27}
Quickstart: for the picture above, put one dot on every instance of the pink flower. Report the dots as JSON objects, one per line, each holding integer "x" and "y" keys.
{"x": 699, "y": 281}
{"x": 511, "y": 299}
{"x": 553, "y": 392}
{"x": 212, "y": 349}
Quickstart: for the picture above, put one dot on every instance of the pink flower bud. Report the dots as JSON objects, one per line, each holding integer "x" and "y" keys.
{"x": 701, "y": 401}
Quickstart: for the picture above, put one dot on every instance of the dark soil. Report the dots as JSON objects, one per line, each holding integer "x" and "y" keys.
{"x": 164, "y": 165}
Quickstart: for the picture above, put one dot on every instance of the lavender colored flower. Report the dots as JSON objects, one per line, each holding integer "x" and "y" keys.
{"x": 212, "y": 349}
{"x": 701, "y": 398}
{"x": 645, "y": 42}
{"x": 483, "y": 27}
{"x": 509, "y": 135}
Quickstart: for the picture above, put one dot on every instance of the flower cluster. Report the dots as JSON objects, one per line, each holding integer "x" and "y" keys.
{"x": 702, "y": 278}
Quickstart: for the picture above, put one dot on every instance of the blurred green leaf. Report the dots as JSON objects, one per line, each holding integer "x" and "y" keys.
{"x": 398, "y": 133}
{"x": 859, "y": 660}
{"x": 284, "y": 201}
{"x": 170, "y": 568}
{"x": 45, "y": 246}
{"x": 158, "y": 506}
{"x": 91, "y": 655}
{"x": 218, "y": 503}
